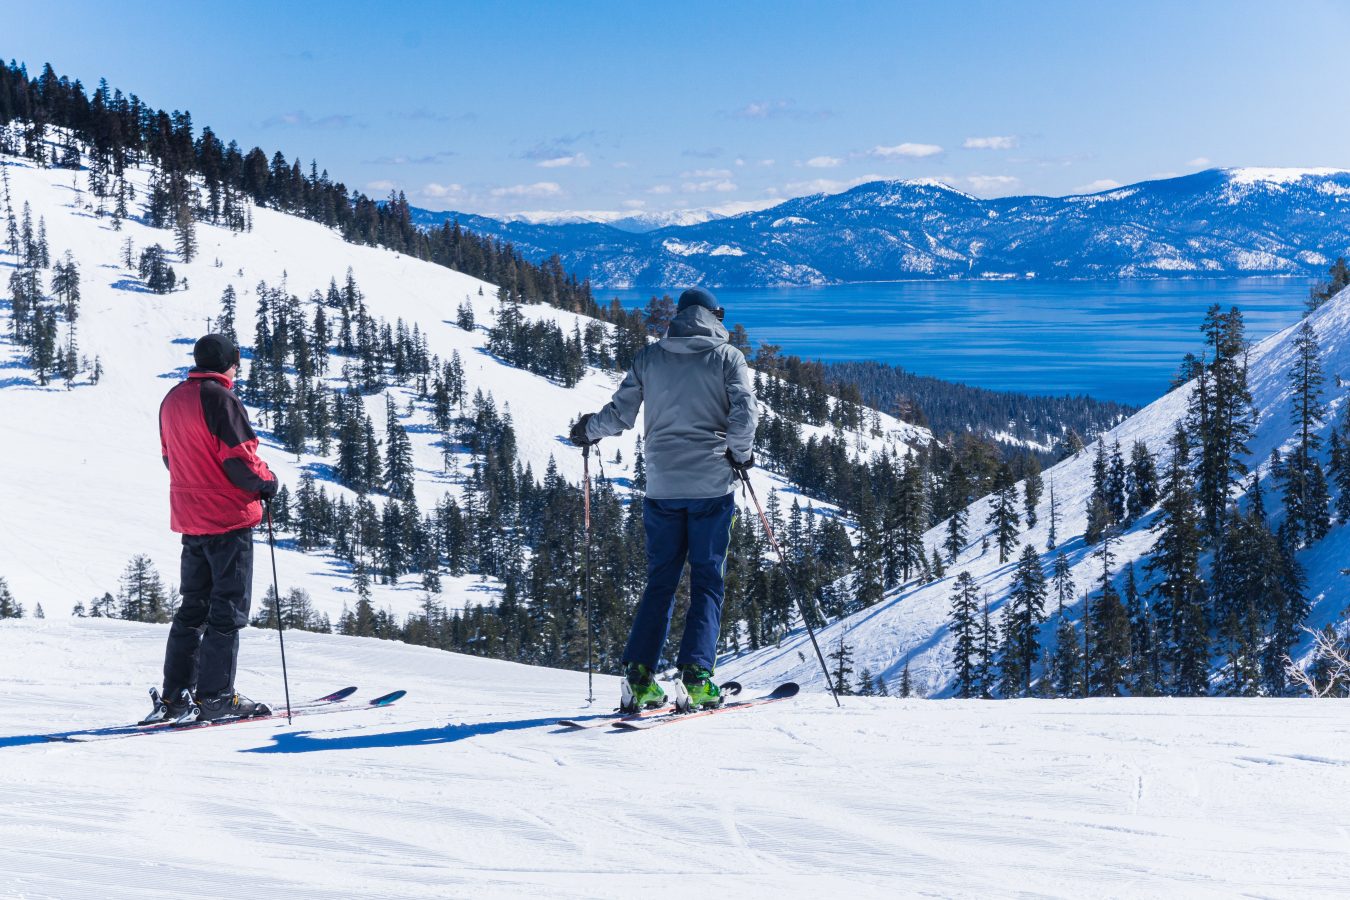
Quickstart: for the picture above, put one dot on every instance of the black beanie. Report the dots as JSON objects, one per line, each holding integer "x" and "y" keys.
{"x": 698, "y": 297}
{"x": 215, "y": 353}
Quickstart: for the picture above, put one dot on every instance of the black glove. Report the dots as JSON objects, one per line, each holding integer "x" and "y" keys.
{"x": 742, "y": 468}
{"x": 578, "y": 435}
{"x": 269, "y": 489}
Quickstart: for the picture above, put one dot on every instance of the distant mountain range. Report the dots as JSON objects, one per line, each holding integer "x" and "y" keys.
{"x": 1217, "y": 223}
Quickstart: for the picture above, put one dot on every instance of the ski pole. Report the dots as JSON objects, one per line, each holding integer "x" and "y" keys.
{"x": 586, "y": 569}
{"x": 801, "y": 605}
{"x": 276, "y": 597}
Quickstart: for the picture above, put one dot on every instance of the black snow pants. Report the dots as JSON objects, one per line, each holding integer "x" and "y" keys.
{"x": 216, "y": 582}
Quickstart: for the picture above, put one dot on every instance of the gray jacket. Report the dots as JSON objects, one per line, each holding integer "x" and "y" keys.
{"x": 700, "y": 400}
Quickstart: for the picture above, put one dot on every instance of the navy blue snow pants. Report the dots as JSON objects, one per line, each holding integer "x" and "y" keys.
{"x": 700, "y": 531}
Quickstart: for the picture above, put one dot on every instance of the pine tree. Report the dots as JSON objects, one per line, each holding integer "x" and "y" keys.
{"x": 842, "y": 657}
{"x": 964, "y": 626}
{"x": 906, "y": 684}
{"x": 1099, "y": 506}
{"x": 225, "y": 321}
{"x": 1022, "y": 617}
{"x": 1062, "y": 579}
{"x": 1308, "y": 515}
{"x": 1116, "y": 478}
{"x": 1052, "y": 539}
{"x": 1176, "y": 559}
{"x": 9, "y": 607}
{"x": 1141, "y": 482}
{"x": 1068, "y": 660}
{"x": 1003, "y": 514}
{"x": 1221, "y": 415}
{"x": 988, "y": 645}
{"x": 1145, "y": 677}
{"x": 398, "y": 468}
{"x": 1340, "y": 468}
{"x": 1032, "y": 489}
{"x": 141, "y": 593}
{"x": 1109, "y": 630}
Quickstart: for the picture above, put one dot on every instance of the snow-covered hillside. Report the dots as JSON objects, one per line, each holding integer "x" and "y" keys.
{"x": 910, "y": 625}
{"x": 465, "y": 789}
{"x": 84, "y": 488}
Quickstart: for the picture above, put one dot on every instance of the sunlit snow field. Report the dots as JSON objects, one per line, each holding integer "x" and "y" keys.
{"x": 466, "y": 789}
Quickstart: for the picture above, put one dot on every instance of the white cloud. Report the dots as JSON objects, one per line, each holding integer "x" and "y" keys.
{"x": 827, "y": 185}
{"x": 538, "y": 189}
{"x": 623, "y": 165}
{"x": 994, "y": 142}
{"x": 720, "y": 185}
{"x": 912, "y": 151}
{"x": 824, "y": 162}
{"x": 992, "y": 184}
{"x": 659, "y": 189}
{"x": 1101, "y": 184}
{"x": 379, "y": 186}
{"x": 740, "y": 161}
{"x": 766, "y": 163}
{"x": 575, "y": 160}
{"x": 634, "y": 204}
{"x": 707, "y": 173}
{"x": 438, "y": 191}
{"x": 1199, "y": 162}
{"x": 736, "y": 207}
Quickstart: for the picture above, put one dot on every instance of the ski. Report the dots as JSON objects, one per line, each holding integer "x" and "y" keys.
{"x": 603, "y": 719}
{"x": 731, "y": 688}
{"x": 784, "y": 691}
{"x": 332, "y": 703}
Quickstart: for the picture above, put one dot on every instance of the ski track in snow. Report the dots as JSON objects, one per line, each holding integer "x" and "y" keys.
{"x": 466, "y": 789}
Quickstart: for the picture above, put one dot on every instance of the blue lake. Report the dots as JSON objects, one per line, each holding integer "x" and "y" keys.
{"x": 1119, "y": 340}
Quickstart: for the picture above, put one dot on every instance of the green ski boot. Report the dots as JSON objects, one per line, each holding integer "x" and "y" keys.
{"x": 699, "y": 690}
{"x": 640, "y": 690}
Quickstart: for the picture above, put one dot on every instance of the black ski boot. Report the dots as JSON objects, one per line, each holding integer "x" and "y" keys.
{"x": 228, "y": 706}
{"x": 165, "y": 710}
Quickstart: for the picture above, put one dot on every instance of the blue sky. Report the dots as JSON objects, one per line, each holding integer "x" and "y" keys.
{"x": 506, "y": 107}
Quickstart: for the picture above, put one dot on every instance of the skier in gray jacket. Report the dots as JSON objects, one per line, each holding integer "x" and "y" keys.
{"x": 700, "y": 417}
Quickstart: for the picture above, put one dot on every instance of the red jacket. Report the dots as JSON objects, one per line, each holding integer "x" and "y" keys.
{"x": 215, "y": 475}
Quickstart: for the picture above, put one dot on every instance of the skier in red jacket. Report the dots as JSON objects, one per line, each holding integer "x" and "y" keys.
{"x": 216, "y": 485}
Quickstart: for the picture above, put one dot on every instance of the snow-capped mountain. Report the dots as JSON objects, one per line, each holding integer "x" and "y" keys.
{"x": 1216, "y": 223}
{"x": 910, "y": 627}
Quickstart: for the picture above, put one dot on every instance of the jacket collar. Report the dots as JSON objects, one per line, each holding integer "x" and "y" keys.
{"x": 214, "y": 376}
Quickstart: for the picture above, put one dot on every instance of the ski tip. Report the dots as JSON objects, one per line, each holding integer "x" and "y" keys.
{"x": 388, "y": 698}
{"x": 785, "y": 690}
{"x": 337, "y": 695}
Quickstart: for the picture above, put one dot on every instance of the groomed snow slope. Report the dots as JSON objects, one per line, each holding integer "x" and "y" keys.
{"x": 465, "y": 789}
{"x": 83, "y": 487}
{"x": 910, "y": 625}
